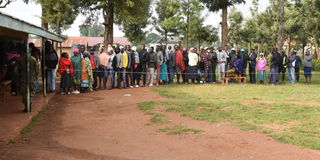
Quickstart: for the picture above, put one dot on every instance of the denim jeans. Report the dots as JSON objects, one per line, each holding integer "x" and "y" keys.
{"x": 209, "y": 74}
{"x": 171, "y": 74}
{"x": 51, "y": 79}
{"x": 291, "y": 75}
{"x": 111, "y": 73}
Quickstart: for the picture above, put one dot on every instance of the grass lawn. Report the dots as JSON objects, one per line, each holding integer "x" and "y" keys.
{"x": 288, "y": 113}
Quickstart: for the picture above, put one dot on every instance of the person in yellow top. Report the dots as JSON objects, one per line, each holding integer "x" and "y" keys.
{"x": 125, "y": 61}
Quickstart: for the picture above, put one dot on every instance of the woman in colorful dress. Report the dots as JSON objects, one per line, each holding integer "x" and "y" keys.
{"x": 87, "y": 74}
{"x": 76, "y": 78}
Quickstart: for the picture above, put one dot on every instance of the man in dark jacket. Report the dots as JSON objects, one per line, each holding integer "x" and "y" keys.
{"x": 143, "y": 63}
{"x": 283, "y": 66}
{"x": 129, "y": 74}
{"x": 252, "y": 66}
{"x": 297, "y": 67}
{"x": 244, "y": 59}
{"x": 186, "y": 64}
{"x": 274, "y": 66}
{"x": 171, "y": 64}
{"x": 51, "y": 58}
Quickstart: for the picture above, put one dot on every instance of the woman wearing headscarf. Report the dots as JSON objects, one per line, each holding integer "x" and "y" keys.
{"x": 86, "y": 73}
{"x": 261, "y": 66}
{"x": 76, "y": 78}
{"x": 66, "y": 71}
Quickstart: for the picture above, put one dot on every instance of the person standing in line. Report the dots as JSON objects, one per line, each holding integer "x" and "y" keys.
{"x": 283, "y": 65}
{"x": 252, "y": 66}
{"x": 76, "y": 62}
{"x": 159, "y": 61}
{"x": 110, "y": 69}
{"x": 129, "y": 72}
{"x": 95, "y": 62}
{"x": 261, "y": 66}
{"x": 136, "y": 67}
{"x": 244, "y": 58}
{"x": 308, "y": 67}
{"x": 291, "y": 68}
{"x": 143, "y": 64}
{"x": 238, "y": 66}
{"x": 209, "y": 54}
{"x": 186, "y": 64}
{"x": 35, "y": 52}
{"x": 152, "y": 60}
{"x": 297, "y": 67}
{"x": 274, "y": 67}
{"x": 66, "y": 71}
{"x": 164, "y": 68}
{"x": 179, "y": 63}
{"x": 12, "y": 57}
{"x": 171, "y": 65}
{"x": 125, "y": 66}
{"x": 203, "y": 65}
{"x": 169, "y": 61}
{"x": 51, "y": 64}
{"x": 118, "y": 66}
{"x": 87, "y": 74}
{"x": 222, "y": 58}
{"x": 193, "y": 65}
{"x": 214, "y": 61}
{"x": 104, "y": 59}
{"x": 22, "y": 76}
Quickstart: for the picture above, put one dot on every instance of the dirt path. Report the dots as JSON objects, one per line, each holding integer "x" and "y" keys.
{"x": 107, "y": 125}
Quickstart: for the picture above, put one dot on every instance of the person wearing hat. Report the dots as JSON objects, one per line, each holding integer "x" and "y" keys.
{"x": 221, "y": 64}
{"x": 95, "y": 62}
{"x": 244, "y": 58}
{"x": 76, "y": 62}
{"x": 252, "y": 66}
{"x": 261, "y": 66}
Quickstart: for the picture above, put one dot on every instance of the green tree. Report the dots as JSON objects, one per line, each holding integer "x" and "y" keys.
{"x": 126, "y": 13}
{"x": 216, "y": 5}
{"x": 235, "y": 21}
{"x": 168, "y": 20}
{"x": 95, "y": 30}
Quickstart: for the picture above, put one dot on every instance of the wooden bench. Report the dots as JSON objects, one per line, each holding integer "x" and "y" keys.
{"x": 231, "y": 75}
{"x": 5, "y": 87}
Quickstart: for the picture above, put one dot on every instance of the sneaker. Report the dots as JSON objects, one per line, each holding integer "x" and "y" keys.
{"x": 137, "y": 86}
{"x": 62, "y": 93}
{"x": 150, "y": 85}
{"x": 131, "y": 86}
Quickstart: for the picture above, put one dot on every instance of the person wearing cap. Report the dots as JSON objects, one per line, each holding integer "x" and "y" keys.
{"x": 76, "y": 62}
{"x": 152, "y": 59}
{"x": 221, "y": 63}
{"x": 95, "y": 62}
{"x": 308, "y": 66}
{"x": 261, "y": 66}
{"x": 252, "y": 66}
{"x": 244, "y": 58}
{"x": 291, "y": 67}
{"x": 297, "y": 67}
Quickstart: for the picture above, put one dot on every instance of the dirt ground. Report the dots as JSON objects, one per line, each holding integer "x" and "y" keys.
{"x": 107, "y": 125}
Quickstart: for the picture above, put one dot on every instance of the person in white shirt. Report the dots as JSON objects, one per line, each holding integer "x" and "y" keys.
{"x": 193, "y": 65}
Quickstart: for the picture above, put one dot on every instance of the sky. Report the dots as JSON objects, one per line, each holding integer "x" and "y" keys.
{"x": 32, "y": 12}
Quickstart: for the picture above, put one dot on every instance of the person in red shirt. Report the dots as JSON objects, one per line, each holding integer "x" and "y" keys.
{"x": 66, "y": 71}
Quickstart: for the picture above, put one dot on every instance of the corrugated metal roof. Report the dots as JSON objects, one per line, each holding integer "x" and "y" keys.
{"x": 23, "y": 26}
{"x": 91, "y": 41}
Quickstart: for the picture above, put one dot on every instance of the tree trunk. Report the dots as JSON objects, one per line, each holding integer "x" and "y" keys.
{"x": 44, "y": 24}
{"x": 186, "y": 38}
{"x": 108, "y": 15}
{"x": 280, "y": 18}
{"x": 289, "y": 45}
{"x": 224, "y": 27}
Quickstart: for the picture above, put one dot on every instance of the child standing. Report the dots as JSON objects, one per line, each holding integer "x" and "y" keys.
{"x": 66, "y": 71}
